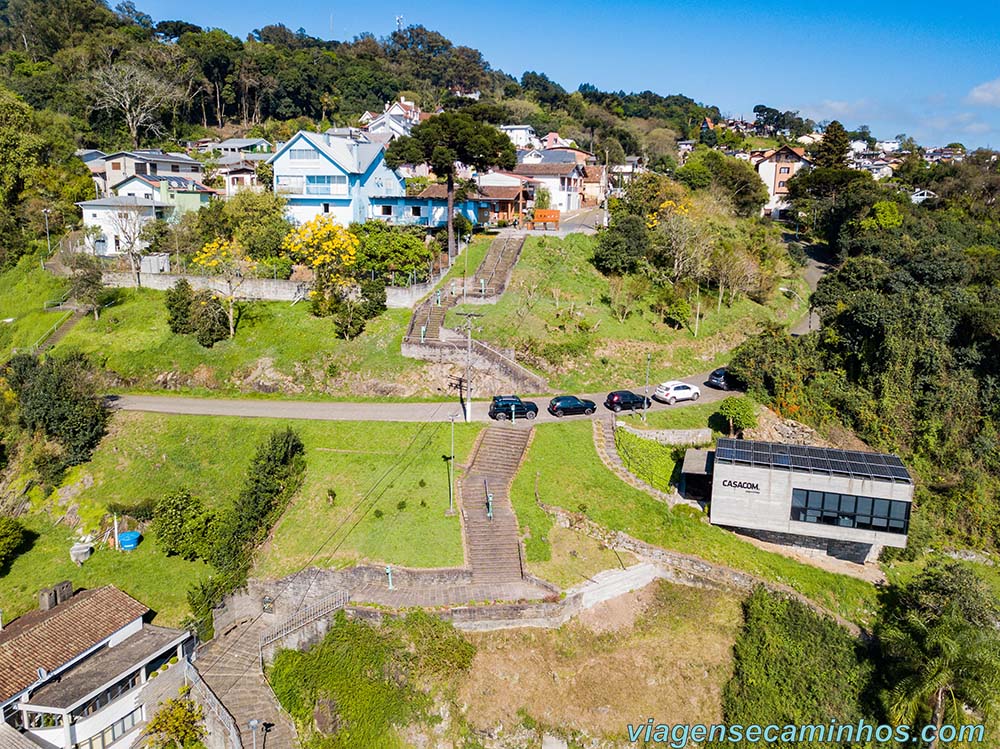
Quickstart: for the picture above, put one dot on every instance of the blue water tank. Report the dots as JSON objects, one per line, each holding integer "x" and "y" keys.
{"x": 129, "y": 540}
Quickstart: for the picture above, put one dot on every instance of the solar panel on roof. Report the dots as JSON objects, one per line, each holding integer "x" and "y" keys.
{"x": 724, "y": 454}
{"x": 799, "y": 461}
{"x": 782, "y": 459}
{"x": 840, "y": 466}
{"x": 797, "y": 450}
{"x": 819, "y": 464}
{"x": 879, "y": 466}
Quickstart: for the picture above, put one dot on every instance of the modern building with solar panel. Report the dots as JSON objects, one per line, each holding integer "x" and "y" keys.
{"x": 845, "y": 503}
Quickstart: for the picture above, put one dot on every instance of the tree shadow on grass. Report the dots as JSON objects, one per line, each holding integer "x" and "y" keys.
{"x": 27, "y": 543}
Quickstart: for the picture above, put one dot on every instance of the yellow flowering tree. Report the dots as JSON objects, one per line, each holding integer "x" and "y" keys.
{"x": 330, "y": 251}
{"x": 228, "y": 260}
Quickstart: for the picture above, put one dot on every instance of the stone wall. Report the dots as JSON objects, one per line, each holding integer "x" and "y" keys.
{"x": 670, "y": 436}
{"x": 482, "y": 359}
{"x": 264, "y": 289}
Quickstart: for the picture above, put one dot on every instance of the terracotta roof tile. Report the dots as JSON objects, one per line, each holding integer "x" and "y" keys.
{"x": 50, "y": 639}
{"x": 553, "y": 168}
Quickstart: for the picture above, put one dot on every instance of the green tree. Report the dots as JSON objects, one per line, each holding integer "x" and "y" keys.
{"x": 621, "y": 246}
{"x": 447, "y": 139}
{"x": 86, "y": 282}
{"x": 179, "y": 300}
{"x": 832, "y": 151}
{"x": 256, "y": 220}
{"x": 939, "y": 641}
{"x": 392, "y": 250}
{"x": 209, "y": 318}
{"x": 740, "y": 413}
{"x": 180, "y": 524}
{"x": 177, "y": 724}
{"x": 543, "y": 199}
{"x": 12, "y": 536}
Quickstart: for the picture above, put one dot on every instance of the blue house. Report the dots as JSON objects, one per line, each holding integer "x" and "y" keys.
{"x": 333, "y": 175}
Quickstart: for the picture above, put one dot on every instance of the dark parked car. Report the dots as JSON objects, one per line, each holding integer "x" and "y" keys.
{"x": 626, "y": 400}
{"x": 506, "y": 407}
{"x": 721, "y": 379}
{"x": 563, "y": 405}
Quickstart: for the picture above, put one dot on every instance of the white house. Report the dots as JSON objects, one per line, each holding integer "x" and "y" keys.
{"x": 119, "y": 166}
{"x": 859, "y": 146}
{"x": 887, "y": 146}
{"x": 522, "y": 136}
{"x": 776, "y": 168}
{"x": 323, "y": 174}
{"x": 117, "y": 222}
{"x": 239, "y": 146}
{"x": 397, "y": 120}
{"x": 75, "y": 673}
{"x": 919, "y": 196}
{"x": 180, "y": 193}
{"x": 562, "y": 179}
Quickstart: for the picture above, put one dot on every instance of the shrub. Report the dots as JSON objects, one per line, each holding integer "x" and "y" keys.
{"x": 208, "y": 319}
{"x": 179, "y": 300}
{"x": 12, "y": 536}
{"x": 143, "y": 510}
{"x": 740, "y": 413}
{"x": 181, "y": 525}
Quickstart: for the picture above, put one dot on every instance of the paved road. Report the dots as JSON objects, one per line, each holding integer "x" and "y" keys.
{"x": 817, "y": 266}
{"x": 361, "y": 411}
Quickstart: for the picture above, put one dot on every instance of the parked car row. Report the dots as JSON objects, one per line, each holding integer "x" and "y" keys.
{"x": 506, "y": 407}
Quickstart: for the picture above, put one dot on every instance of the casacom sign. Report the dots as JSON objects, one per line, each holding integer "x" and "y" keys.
{"x": 745, "y": 485}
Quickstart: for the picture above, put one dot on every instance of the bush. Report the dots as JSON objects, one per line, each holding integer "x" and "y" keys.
{"x": 179, "y": 300}
{"x": 143, "y": 510}
{"x": 208, "y": 319}
{"x": 648, "y": 459}
{"x": 12, "y": 536}
{"x": 60, "y": 398}
{"x": 180, "y": 524}
{"x": 275, "y": 267}
{"x": 740, "y": 413}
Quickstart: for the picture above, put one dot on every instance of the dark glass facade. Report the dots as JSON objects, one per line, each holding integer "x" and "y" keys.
{"x": 849, "y": 511}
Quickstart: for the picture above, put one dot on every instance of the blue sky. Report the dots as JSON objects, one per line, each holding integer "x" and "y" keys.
{"x": 928, "y": 69}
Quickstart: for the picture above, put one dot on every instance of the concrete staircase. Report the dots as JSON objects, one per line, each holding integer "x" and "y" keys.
{"x": 493, "y": 545}
{"x": 62, "y": 330}
{"x": 230, "y": 665}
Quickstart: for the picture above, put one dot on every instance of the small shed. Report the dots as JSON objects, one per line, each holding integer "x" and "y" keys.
{"x": 696, "y": 474}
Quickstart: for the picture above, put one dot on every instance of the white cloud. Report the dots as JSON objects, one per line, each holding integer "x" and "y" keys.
{"x": 985, "y": 94}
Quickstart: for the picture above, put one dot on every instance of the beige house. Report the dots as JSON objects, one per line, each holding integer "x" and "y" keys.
{"x": 776, "y": 167}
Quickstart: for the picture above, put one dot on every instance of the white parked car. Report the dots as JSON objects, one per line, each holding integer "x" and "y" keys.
{"x": 675, "y": 390}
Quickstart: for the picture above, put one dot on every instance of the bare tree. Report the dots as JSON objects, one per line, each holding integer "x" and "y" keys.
{"x": 129, "y": 221}
{"x": 136, "y": 93}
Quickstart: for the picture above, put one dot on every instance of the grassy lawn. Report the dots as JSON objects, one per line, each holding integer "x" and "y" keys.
{"x": 23, "y": 290}
{"x": 278, "y": 343}
{"x": 555, "y": 312}
{"x": 571, "y": 476}
{"x": 147, "y": 455}
{"x": 664, "y": 651}
{"x": 159, "y": 581}
{"x": 696, "y": 416}
{"x": 575, "y": 558}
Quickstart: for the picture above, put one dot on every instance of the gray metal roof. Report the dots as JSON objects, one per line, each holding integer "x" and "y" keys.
{"x": 11, "y": 738}
{"x": 122, "y": 201}
{"x": 802, "y": 459}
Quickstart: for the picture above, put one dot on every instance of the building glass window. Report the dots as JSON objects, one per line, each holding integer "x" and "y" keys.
{"x": 112, "y": 733}
{"x": 849, "y": 511}
{"x": 415, "y": 210}
{"x": 325, "y": 184}
{"x": 784, "y": 170}
{"x": 108, "y": 696}
{"x": 385, "y": 210}
{"x": 781, "y": 183}
{"x": 291, "y": 184}
{"x": 302, "y": 154}
{"x": 175, "y": 167}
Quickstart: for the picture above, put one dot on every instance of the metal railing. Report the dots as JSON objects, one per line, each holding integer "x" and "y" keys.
{"x": 206, "y": 697}
{"x": 303, "y": 617}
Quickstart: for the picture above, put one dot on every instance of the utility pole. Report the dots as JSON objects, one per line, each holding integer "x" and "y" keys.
{"x": 468, "y": 364}
{"x": 697, "y": 312}
{"x": 645, "y": 393}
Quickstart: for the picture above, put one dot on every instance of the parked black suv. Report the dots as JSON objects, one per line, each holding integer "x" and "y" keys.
{"x": 564, "y": 405}
{"x": 505, "y": 407}
{"x": 722, "y": 380}
{"x": 626, "y": 400}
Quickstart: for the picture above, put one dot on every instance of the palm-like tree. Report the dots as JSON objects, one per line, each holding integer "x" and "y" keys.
{"x": 947, "y": 668}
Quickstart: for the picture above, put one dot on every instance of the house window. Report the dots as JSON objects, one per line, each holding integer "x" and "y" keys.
{"x": 781, "y": 184}
{"x": 93, "y": 215}
{"x": 116, "y": 166}
{"x": 118, "y": 243}
{"x": 111, "y": 734}
{"x": 325, "y": 184}
{"x": 385, "y": 210}
{"x": 291, "y": 184}
{"x": 140, "y": 168}
{"x": 849, "y": 511}
{"x": 784, "y": 170}
{"x": 175, "y": 167}
{"x": 326, "y": 208}
{"x": 415, "y": 210}
{"x": 302, "y": 154}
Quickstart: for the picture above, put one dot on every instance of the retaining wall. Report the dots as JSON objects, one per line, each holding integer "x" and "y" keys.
{"x": 670, "y": 436}
{"x": 263, "y": 289}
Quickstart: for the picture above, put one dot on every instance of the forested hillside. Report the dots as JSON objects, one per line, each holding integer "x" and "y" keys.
{"x": 909, "y": 351}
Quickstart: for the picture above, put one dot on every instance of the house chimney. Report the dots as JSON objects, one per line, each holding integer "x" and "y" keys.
{"x": 64, "y": 591}
{"x": 47, "y": 599}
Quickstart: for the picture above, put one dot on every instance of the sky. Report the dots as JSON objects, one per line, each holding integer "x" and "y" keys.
{"x": 927, "y": 69}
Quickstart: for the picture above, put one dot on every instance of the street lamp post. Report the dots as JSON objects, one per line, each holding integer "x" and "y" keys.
{"x": 451, "y": 469}
{"x": 253, "y": 728}
{"x": 48, "y": 240}
{"x": 645, "y": 393}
